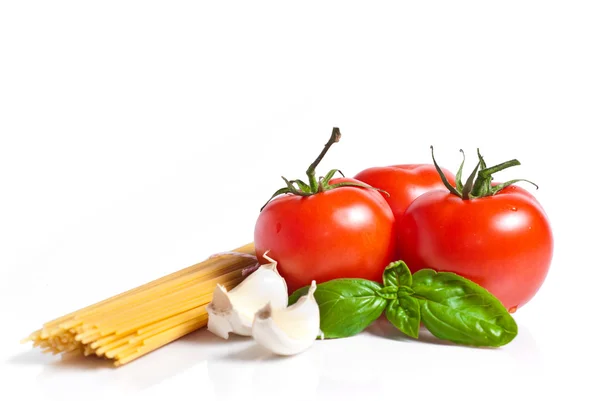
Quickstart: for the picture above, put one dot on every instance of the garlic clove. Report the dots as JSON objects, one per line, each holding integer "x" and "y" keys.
{"x": 233, "y": 311}
{"x": 291, "y": 330}
{"x": 222, "y": 318}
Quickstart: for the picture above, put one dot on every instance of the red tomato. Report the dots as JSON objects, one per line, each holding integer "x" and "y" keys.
{"x": 342, "y": 232}
{"x": 503, "y": 242}
{"x": 404, "y": 183}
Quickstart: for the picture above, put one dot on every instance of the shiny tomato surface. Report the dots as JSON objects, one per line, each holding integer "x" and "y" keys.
{"x": 404, "y": 182}
{"x": 346, "y": 232}
{"x": 502, "y": 242}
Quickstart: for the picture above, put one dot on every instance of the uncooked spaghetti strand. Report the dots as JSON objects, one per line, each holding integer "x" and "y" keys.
{"x": 198, "y": 311}
{"x": 114, "y": 344}
{"x": 161, "y": 324}
{"x": 248, "y": 248}
{"x": 109, "y": 339}
{"x": 129, "y": 321}
{"x": 140, "y": 296}
{"x": 165, "y": 338}
{"x": 141, "y": 299}
{"x": 88, "y": 336}
{"x": 114, "y": 334}
{"x": 137, "y": 340}
{"x": 77, "y": 322}
{"x": 145, "y": 317}
{"x": 156, "y": 316}
{"x": 126, "y": 328}
{"x": 109, "y": 300}
{"x": 169, "y": 302}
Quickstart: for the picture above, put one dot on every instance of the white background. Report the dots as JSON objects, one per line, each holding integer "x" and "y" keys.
{"x": 137, "y": 138}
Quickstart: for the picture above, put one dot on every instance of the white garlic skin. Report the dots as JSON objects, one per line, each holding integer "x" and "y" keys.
{"x": 233, "y": 311}
{"x": 291, "y": 330}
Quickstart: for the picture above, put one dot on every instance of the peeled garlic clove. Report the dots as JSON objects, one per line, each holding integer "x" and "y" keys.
{"x": 291, "y": 330}
{"x": 233, "y": 311}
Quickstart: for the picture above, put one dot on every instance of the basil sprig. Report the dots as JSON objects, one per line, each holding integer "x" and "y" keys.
{"x": 451, "y": 307}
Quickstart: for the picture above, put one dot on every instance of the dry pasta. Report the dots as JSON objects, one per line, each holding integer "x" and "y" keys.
{"x": 136, "y": 322}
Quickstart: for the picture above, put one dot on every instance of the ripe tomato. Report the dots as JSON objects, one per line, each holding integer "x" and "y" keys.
{"x": 404, "y": 183}
{"x": 326, "y": 229}
{"x": 502, "y": 240}
{"x": 344, "y": 232}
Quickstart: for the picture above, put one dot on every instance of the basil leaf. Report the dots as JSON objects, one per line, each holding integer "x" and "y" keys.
{"x": 388, "y": 292}
{"x": 347, "y": 306}
{"x": 456, "y": 309}
{"x": 404, "y": 313}
{"x": 397, "y": 274}
{"x": 404, "y": 290}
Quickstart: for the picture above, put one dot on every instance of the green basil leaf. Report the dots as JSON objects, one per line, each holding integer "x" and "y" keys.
{"x": 388, "y": 292}
{"x": 404, "y": 313}
{"x": 404, "y": 291}
{"x": 347, "y": 306}
{"x": 456, "y": 309}
{"x": 397, "y": 274}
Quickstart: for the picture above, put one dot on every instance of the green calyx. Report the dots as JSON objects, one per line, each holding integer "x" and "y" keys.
{"x": 322, "y": 184}
{"x": 479, "y": 183}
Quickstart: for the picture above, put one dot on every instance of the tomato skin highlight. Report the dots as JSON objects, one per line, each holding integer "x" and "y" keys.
{"x": 502, "y": 242}
{"x": 346, "y": 232}
{"x": 404, "y": 183}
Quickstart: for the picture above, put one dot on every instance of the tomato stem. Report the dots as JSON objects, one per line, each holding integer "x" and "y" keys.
{"x": 466, "y": 192}
{"x": 483, "y": 183}
{"x": 443, "y": 176}
{"x": 314, "y": 186}
{"x": 459, "y": 184}
{"x": 312, "y": 177}
{"x": 479, "y": 183}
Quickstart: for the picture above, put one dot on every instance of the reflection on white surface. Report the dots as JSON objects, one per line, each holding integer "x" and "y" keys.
{"x": 255, "y": 372}
{"x": 204, "y": 367}
{"x": 74, "y": 377}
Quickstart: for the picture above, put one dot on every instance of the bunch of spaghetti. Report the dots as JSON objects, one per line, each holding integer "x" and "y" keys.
{"x": 136, "y": 322}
